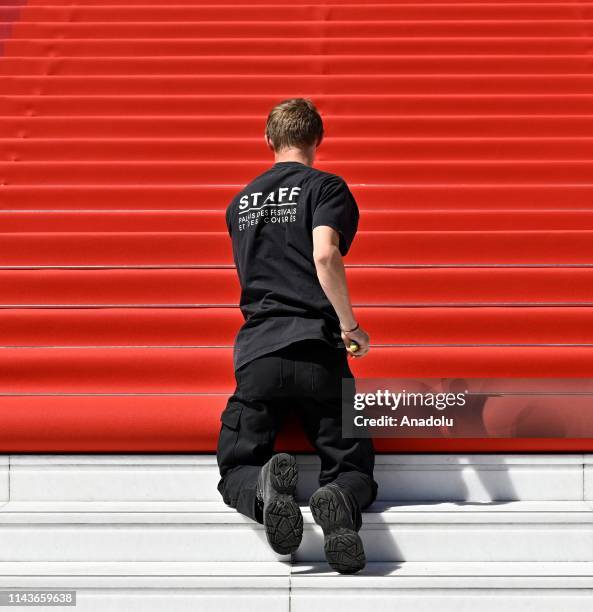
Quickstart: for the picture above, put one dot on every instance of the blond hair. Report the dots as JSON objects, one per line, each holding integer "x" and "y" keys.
{"x": 294, "y": 123}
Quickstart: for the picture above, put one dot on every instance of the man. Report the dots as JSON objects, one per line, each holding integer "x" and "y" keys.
{"x": 290, "y": 227}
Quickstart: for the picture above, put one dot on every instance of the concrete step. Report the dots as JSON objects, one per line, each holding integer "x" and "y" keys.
{"x": 210, "y": 531}
{"x": 448, "y": 587}
{"x": 156, "y": 586}
{"x": 280, "y": 587}
{"x": 170, "y": 477}
{"x": 498, "y": 531}
{"x": 130, "y": 531}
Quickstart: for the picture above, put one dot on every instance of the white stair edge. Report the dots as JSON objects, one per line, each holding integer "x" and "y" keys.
{"x": 445, "y": 586}
{"x": 301, "y": 571}
{"x": 281, "y": 575}
{"x": 377, "y": 514}
{"x": 145, "y": 568}
{"x": 447, "y": 574}
{"x": 427, "y": 459}
{"x": 148, "y": 574}
{"x": 437, "y": 477}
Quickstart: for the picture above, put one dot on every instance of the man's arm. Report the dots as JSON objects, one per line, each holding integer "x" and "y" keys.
{"x": 332, "y": 277}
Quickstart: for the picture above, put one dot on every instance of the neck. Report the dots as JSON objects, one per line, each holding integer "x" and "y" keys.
{"x": 296, "y": 155}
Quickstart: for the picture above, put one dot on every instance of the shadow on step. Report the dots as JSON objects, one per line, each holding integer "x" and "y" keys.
{"x": 448, "y": 478}
{"x": 372, "y": 569}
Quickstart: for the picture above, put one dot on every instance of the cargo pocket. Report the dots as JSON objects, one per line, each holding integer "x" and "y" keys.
{"x": 231, "y": 415}
{"x": 229, "y": 435}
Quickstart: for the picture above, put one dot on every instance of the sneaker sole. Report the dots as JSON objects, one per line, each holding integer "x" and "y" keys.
{"x": 342, "y": 544}
{"x": 282, "y": 516}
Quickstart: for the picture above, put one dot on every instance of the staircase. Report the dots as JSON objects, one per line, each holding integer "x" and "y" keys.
{"x": 149, "y": 532}
{"x": 465, "y": 129}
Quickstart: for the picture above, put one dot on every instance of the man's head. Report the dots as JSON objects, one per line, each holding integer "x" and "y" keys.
{"x": 294, "y": 130}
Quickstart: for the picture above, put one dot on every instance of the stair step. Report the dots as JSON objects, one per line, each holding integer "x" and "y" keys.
{"x": 233, "y": 149}
{"x": 210, "y": 531}
{"x": 413, "y": 197}
{"x": 401, "y": 478}
{"x": 86, "y": 421}
{"x": 292, "y": 65}
{"x": 204, "y": 287}
{"x": 155, "y": 586}
{"x": 172, "y": 370}
{"x": 430, "y": 172}
{"x": 308, "y": 28}
{"x": 280, "y": 586}
{"x": 155, "y": 531}
{"x": 396, "y": 126}
{"x": 213, "y": 326}
{"x": 303, "y": 46}
{"x": 513, "y": 531}
{"x": 562, "y": 104}
{"x": 161, "y": 249}
{"x": 281, "y": 11}
{"x": 214, "y": 220}
{"x": 458, "y": 587}
{"x": 206, "y": 574}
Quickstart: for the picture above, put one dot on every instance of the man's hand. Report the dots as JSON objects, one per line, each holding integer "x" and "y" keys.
{"x": 361, "y": 338}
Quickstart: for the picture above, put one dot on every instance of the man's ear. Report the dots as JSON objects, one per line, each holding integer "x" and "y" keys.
{"x": 268, "y": 142}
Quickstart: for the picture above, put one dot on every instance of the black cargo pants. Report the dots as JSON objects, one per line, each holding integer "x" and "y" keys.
{"x": 306, "y": 376}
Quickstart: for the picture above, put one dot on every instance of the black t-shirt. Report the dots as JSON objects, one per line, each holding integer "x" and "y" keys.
{"x": 270, "y": 222}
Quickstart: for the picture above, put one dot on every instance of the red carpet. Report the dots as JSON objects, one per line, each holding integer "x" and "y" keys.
{"x": 466, "y": 132}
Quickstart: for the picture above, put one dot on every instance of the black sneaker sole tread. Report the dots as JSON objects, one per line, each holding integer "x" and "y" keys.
{"x": 342, "y": 544}
{"x": 283, "y": 520}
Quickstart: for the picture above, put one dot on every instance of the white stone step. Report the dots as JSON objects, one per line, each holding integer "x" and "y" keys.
{"x": 280, "y": 587}
{"x": 446, "y": 587}
{"x": 129, "y": 531}
{"x": 156, "y": 586}
{"x": 511, "y": 531}
{"x": 172, "y": 477}
{"x": 210, "y": 531}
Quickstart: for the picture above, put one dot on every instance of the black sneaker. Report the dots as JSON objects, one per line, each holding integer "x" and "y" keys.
{"x": 282, "y": 516}
{"x": 336, "y": 515}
